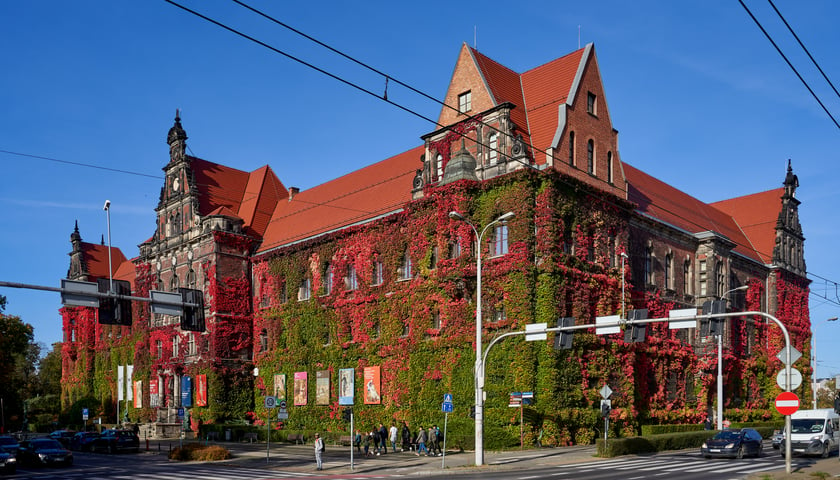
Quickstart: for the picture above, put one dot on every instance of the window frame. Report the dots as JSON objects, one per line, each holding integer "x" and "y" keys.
{"x": 493, "y": 148}
{"x": 592, "y": 104}
{"x": 499, "y": 244}
{"x": 465, "y": 101}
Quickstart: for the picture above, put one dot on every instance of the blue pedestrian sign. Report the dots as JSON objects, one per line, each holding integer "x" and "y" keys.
{"x": 447, "y": 407}
{"x": 84, "y": 414}
{"x": 447, "y": 398}
{"x": 181, "y": 412}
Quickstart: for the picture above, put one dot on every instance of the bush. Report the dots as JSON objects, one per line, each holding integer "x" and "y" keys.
{"x": 661, "y": 442}
{"x": 199, "y": 452}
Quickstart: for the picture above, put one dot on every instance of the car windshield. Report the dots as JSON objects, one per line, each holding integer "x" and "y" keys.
{"x": 45, "y": 443}
{"x": 807, "y": 425}
{"x": 728, "y": 435}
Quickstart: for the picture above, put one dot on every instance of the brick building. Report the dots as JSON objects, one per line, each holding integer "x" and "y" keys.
{"x": 370, "y": 272}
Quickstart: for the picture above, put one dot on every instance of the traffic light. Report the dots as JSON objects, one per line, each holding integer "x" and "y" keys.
{"x": 114, "y": 310}
{"x": 563, "y": 340}
{"x": 605, "y": 408}
{"x": 715, "y": 324}
{"x": 193, "y": 317}
{"x": 472, "y": 411}
{"x": 636, "y": 332}
{"x": 347, "y": 414}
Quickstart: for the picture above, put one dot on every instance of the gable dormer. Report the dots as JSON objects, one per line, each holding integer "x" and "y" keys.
{"x": 789, "y": 251}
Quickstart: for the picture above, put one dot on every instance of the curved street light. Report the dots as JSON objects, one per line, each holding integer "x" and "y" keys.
{"x": 720, "y": 362}
{"x": 479, "y": 371}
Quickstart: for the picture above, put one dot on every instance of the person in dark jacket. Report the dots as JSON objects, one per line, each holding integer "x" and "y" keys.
{"x": 383, "y": 438}
{"x": 406, "y": 437}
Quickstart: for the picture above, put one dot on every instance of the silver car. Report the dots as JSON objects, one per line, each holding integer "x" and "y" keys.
{"x": 776, "y": 439}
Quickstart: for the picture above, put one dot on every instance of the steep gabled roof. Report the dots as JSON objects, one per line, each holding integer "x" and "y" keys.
{"x": 357, "y": 197}
{"x": 505, "y": 86}
{"x": 95, "y": 257}
{"x": 664, "y": 203}
{"x": 757, "y": 215}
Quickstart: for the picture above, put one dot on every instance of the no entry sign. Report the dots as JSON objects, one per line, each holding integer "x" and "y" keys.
{"x": 787, "y": 403}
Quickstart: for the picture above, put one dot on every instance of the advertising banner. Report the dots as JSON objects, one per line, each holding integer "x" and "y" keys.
{"x": 322, "y": 387}
{"x": 280, "y": 386}
{"x": 129, "y": 378}
{"x": 186, "y": 391}
{"x": 154, "y": 395}
{"x": 300, "y": 388}
{"x": 201, "y": 390}
{"x": 120, "y": 382}
{"x": 372, "y": 387}
{"x": 138, "y": 394}
{"x": 346, "y": 387}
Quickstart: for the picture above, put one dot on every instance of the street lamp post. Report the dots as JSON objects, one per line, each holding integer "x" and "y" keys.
{"x": 479, "y": 371}
{"x": 814, "y": 360}
{"x": 107, "y": 209}
{"x": 720, "y": 363}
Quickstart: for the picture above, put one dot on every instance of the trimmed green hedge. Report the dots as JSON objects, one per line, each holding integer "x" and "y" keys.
{"x": 648, "y": 430}
{"x": 661, "y": 442}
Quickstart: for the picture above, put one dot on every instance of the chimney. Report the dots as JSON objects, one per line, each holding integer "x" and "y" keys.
{"x": 292, "y": 192}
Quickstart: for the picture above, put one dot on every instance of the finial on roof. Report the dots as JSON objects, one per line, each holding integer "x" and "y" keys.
{"x": 791, "y": 181}
{"x": 102, "y": 242}
{"x": 177, "y": 131}
{"x": 76, "y": 228}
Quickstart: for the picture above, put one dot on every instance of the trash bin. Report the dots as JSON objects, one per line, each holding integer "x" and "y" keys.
{"x": 227, "y": 435}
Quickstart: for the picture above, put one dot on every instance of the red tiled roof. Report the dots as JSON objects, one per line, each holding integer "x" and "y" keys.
{"x": 757, "y": 215}
{"x": 96, "y": 257}
{"x": 504, "y": 84}
{"x": 667, "y": 204}
{"x": 126, "y": 271}
{"x": 353, "y": 198}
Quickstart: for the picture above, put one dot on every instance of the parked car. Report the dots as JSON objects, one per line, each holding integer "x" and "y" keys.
{"x": 776, "y": 439}
{"x": 8, "y": 462}
{"x": 63, "y": 436}
{"x": 113, "y": 441}
{"x": 82, "y": 441}
{"x": 44, "y": 452}
{"x": 735, "y": 443}
{"x": 9, "y": 443}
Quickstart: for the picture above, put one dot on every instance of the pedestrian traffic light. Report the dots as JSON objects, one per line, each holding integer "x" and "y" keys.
{"x": 348, "y": 414}
{"x": 605, "y": 408}
{"x": 193, "y": 317}
{"x": 715, "y": 324}
{"x": 472, "y": 411}
{"x": 114, "y": 310}
{"x": 563, "y": 339}
{"x": 636, "y": 332}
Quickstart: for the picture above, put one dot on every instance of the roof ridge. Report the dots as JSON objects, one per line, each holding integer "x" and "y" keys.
{"x": 556, "y": 59}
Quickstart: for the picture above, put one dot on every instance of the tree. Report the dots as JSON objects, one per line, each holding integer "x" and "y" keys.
{"x": 15, "y": 340}
{"x": 49, "y": 372}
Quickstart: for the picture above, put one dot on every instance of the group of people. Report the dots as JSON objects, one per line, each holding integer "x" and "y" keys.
{"x": 375, "y": 442}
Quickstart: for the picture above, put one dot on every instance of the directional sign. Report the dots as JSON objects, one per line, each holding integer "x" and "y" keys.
{"x": 270, "y": 402}
{"x": 675, "y": 317}
{"x": 74, "y": 292}
{"x": 447, "y": 407}
{"x": 787, "y": 403}
{"x": 515, "y": 399}
{"x": 607, "y": 330}
{"x": 795, "y": 378}
{"x": 169, "y": 298}
{"x": 794, "y": 355}
{"x": 536, "y": 327}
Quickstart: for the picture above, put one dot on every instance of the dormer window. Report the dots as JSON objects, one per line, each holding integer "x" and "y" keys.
{"x": 465, "y": 102}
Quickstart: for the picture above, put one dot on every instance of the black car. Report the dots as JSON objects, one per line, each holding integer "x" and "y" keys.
{"x": 9, "y": 444}
{"x": 82, "y": 441}
{"x": 63, "y": 436}
{"x": 113, "y": 441}
{"x": 44, "y": 452}
{"x": 8, "y": 462}
{"x": 735, "y": 443}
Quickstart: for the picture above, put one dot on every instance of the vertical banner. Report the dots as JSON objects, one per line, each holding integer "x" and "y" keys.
{"x": 186, "y": 391}
{"x": 300, "y": 388}
{"x": 280, "y": 386}
{"x": 322, "y": 387}
{"x": 154, "y": 392}
{"x": 138, "y": 394}
{"x": 120, "y": 382}
{"x": 129, "y": 378}
{"x": 201, "y": 390}
{"x": 371, "y": 389}
{"x": 346, "y": 386}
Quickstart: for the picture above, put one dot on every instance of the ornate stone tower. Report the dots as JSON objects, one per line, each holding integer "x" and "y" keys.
{"x": 789, "y": 252}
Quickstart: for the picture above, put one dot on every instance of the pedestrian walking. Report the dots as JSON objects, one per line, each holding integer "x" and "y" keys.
{"x": 383, "y": 438}
{"x": 431, "y": 441}
{"x": 357, "y": 441}
{"x": 421, "y": 442}
{"x": 438, "y": 440}
{"x": 368, "y": 441}
{"x": 319, "y": 449}
{"x": 375, "y": 436}
{"x": 393, "y": 437}
{"x": 406, "y": 437}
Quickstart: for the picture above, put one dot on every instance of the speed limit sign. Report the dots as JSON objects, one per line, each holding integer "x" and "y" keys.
{"x": 270, "y": 402}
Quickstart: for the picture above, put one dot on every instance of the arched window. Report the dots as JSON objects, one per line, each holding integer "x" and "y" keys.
{"x": 649, "y": 266}
{"x": 590, "y": 157}
{"x": 669, "y": 277}
{"x": 609, "y": 167}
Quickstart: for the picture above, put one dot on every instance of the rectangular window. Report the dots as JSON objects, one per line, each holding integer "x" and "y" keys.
{"x": 159, "y": 348}
{"x": 284, "y": 296}
{"x": 702, "y": 278}
{"x": 304, "y": 292}
{"x": 465, "y": 102}
{"x": 455, "y": 248}
{"x": 405, "y": 269}
{"x": 433, "y": 259}
{"x": 176, "y": 342}
{"x": 668, "y": 276}
{"x": 499, "y": 245}
{"x": 351, "y": 281}
{"x": 572, "y": 148}
{"x": 436, "y": 321}
{"x": 493, "y": 148}
{"x": 378, "y": 277}
{"x": 191, "y": 350}
{"x": 591, "y": 103}
{"x": 687, "y": 278}
{"x": 648, "y": 266}
{"x": 328, "y": 280}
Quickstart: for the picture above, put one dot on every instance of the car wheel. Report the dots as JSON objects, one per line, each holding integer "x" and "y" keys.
{"x": 824, "y": 453}
{"x": 740, "y": 453}
{"x": 707, "y": 456}
{"x": 760, "y": 451}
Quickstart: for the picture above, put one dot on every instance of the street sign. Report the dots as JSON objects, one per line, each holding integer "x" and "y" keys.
{"x": 605, "y": 391}
{"x": 795, "y": 378}
{"x": 515, "y": 399}
{"x": 76, "y": 293}
{"x": 676, "y": 315}
{"x": 169, "y": 298}
{"x": 607, "y": 330}
{"x": 270, "y": 402}
{"x": 282, "y": 404}
{"x": 181, "y": 412}
{"x": 539, "y": 327}
{"x": 787, "y": 403}
{"x": 282, "y": 414}
{"x": 447, "y": 398}
{"x": 447, "y": 407}
{"x": 794, "y": 355}
{"x": 85, "y": 414}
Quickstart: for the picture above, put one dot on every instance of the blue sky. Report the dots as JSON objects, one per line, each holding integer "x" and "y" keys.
{"x": 699, "y": 96}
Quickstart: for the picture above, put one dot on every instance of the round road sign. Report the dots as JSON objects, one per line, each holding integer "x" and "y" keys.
{"x": 282, "y": 404}
{"x": 795, "y": 378}
{"x": 787, "y": 403}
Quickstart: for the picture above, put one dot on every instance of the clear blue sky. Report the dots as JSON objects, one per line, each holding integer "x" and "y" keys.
{"x": 699, "y": 96}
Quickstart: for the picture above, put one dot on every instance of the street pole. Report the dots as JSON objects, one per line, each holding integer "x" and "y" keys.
{"x": 479, "y": 367}
{"x": 720, "y": 383}
{"x": 814, "y": 361}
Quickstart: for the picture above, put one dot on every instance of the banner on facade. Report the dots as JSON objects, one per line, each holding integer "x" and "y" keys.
{"x": 372, "y": 390}
{"x": 138, "y": 394}
{"x": 186, "y": 391}
{"x": 280, "y": 386}
{"x": 346, "y": 380}
{"x": 201, "y": 390}
{"x": 154, "y": 394}
{"x": 120, "y": 382}
{"x": 129, "y": 378}
{"x": 300, "y": 388}
{"x": 322, "y": 387}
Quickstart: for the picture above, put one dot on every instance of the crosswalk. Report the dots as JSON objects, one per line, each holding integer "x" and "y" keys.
{"x": 675, "y": 465}
{"x": 187, "y": 473}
